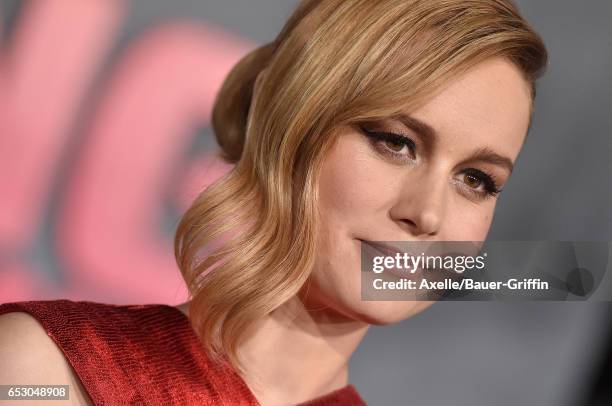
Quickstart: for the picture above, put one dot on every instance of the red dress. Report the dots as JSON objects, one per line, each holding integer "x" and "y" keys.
{"x": 145, "y": 355}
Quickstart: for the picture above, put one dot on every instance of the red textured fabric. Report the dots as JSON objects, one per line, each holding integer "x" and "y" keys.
{"x": 145, "y": 355}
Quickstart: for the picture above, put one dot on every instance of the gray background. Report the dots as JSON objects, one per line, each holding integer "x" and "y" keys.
{"x": 490, "y": 353}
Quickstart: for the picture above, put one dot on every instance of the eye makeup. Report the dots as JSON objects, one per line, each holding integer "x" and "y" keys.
{"x": 392, "y": 144}
{"x": 402, "y": 149}
{"x": 484, "y": 179}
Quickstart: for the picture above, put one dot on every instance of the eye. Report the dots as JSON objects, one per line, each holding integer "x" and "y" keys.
{"x": 472, "y": 181}
{"x": 395, "y": 146}
{"x": 479, "y": 183}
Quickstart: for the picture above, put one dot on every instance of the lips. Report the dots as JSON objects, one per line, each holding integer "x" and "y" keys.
{"x": 377, "y": 248}
{"x": 385, "y": 249}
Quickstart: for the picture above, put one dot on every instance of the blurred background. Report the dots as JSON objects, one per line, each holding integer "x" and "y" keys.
{"x": 105, "y": 139}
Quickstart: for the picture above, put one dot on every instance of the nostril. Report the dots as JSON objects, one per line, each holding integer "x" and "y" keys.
{"x": 419, "y": 229}
{"x": 409, "y": 225}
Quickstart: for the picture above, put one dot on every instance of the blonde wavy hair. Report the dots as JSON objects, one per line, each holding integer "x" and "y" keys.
{"x": 248, "y": 242}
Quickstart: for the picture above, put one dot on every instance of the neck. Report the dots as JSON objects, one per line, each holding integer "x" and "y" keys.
{"x": 299, "y": 354}
{"x": 296, "y": 354}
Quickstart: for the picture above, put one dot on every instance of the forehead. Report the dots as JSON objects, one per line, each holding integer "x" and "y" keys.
{"x": 489, "y": 105}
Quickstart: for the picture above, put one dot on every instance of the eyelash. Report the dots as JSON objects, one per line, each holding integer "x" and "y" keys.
{"x": 381, "y": 136}
{"x": 376, "y": 137}
{"x": 490, "y": 186}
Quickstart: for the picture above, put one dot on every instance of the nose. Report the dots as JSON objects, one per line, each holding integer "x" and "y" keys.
{"x": 421, "y": 203}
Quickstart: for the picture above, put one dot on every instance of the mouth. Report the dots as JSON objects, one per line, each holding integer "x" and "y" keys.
{"x": 377, "y": 248}
{"x": 385, "y": 249}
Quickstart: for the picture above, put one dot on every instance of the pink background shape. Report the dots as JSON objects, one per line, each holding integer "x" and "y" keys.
{"x": 96, "y": 166}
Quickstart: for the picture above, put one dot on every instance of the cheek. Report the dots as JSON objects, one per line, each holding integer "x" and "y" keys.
{"x": 470, "y": 223}
{"x": 350, "y": 196}
{"x": 351, "y": 186}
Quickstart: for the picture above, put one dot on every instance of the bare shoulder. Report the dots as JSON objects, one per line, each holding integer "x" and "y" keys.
{"x": 30, "y": 357}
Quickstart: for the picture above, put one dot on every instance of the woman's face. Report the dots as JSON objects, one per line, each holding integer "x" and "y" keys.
{"x": 437, "y": 183}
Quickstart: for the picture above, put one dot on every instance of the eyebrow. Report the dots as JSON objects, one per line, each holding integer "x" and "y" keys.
{"x": 484, "y": 154}
{"x": 419, "y": 126}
